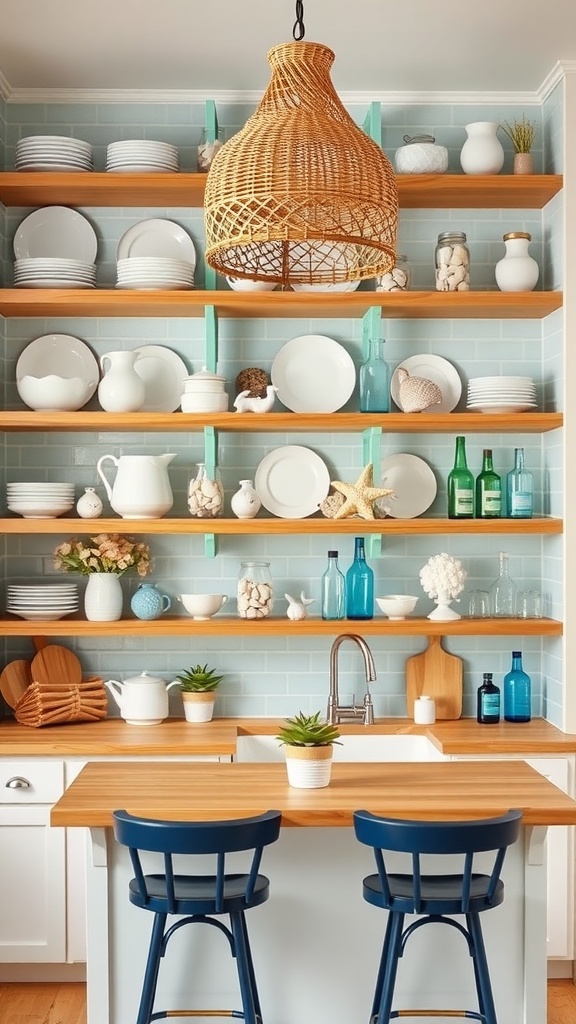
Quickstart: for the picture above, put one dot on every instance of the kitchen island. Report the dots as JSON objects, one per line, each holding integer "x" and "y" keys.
{"x": 316, "y": 943}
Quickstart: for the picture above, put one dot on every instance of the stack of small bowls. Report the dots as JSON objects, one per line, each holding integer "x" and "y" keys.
{"x": 204, "y": 392}
{"x": 40, "y": 500}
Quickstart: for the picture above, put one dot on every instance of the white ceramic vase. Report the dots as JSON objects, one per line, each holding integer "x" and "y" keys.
{"x": 103, "y": 597}
{"x": 89, "y": 505}
{"x": 517, "y": 271}
{"x": 482, "y": 153}
{"x": 198, "y": 706}
{"x": 245, "y": 502}
{"x": 443, "y": 612}
{"x": 309, "y": 767}
{"x": 121, "y": 388}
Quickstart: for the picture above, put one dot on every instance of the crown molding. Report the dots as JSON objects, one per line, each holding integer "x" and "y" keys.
{"x": 559, "y": 72}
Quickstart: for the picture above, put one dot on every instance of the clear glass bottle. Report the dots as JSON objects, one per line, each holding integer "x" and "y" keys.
{"x": 488, "y": 489}
{"x": 488, "y": 701}
{"x": 333, "y": 590}
{"x": 452, "y": 260}
{"x": 517, "y": 692}
{"x": 519, "y": 489}
{"x": 255, "y": 593}
{"x": 205, "y": 494}
{"x": 374, "y": 380}
{"x": 359, "y": 585}
{"x": 460, "y": 485}
{"x": 503, "y": 591}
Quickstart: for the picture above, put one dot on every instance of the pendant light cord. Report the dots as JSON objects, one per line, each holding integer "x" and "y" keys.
{"x": 298, "y": 31}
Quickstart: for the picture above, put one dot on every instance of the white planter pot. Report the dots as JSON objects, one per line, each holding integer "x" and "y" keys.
{"x": 308, "y": 767}
{"x": 198, "y": 707}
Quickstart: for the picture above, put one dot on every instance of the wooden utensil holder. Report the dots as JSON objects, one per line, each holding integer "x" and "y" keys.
{"x": 60, "y": 703}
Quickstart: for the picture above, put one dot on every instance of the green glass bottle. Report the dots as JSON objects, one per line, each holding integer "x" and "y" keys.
{"x": 460, "y": 485}
{"x": 488, "y": 489}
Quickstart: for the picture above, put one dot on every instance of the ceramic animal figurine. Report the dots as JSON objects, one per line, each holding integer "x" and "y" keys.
{"x": 298, "y": 610}
{"x": 244, "y": 403}
{"x": 415, "y": 394}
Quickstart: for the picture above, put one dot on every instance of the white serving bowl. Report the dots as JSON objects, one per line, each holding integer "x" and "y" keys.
{"x": 216, "y": 402}
{"x": 54, "y": 393}
{"x": 341, "y": 286}
{"x": 202, "y": 606}
{"x": 396, "y": 606}
{"x": 241, "y": 284}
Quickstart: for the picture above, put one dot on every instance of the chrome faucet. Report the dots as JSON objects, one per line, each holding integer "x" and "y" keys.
{"x": 350, "y": 712}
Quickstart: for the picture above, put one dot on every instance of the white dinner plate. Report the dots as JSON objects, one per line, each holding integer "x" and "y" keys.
{"x": 61, "y": 354}
{"x": 413, "y": 483}
{"x": 313, "y": 373}
{"x": 157, "y": 237}
{"x": 292, "y": 481}
{"x": 439, "y": 371}
{"x": 56, "y": 231}
{"x": 163, "y": 373}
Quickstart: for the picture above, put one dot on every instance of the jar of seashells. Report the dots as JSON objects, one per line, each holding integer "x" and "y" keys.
{"x": 205, "y": 494}
{"x": 397, "y": 279}
{"x": 255, "y": 592}
{"x": 452, "y": 260}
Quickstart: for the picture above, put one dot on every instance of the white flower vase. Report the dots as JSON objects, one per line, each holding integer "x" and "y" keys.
{"x": 482, "y": 153}
{"x": 443, "y": 612}
{"x": 245, "y": 503}
{"x": 103, "y": 597}
{"x": 309, "y": 767}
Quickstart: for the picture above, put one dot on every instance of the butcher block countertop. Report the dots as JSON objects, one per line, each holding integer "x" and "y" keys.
{"x": 208, "y": 791}
{"x": 111, "y": 737}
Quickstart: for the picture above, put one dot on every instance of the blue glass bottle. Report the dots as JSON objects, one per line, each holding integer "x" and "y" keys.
{"x": 359, "y": 585}
{"x": 374, "y": 380}
{"x": 517, "y": 692}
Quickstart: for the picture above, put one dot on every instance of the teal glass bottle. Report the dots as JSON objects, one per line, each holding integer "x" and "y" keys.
{"x": 488, "y": 489}
{"x": 517, "y": 692}
{"x": 519, "y": 489}
{"x": 359, "y": 585}
{"x": 488, "y": 701}
{"x": 460, "y": 485}
{"x": 333, "y": 590}
{"x": 374, "y": 380}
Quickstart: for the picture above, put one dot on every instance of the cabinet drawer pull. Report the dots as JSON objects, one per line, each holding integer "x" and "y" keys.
{"x": 17, "y": 782}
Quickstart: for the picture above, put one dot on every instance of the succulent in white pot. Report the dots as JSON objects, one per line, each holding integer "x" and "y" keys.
{"x": 197, "y": 686}
{"x": 308, "y": 740}
{"x": 443, "y": 579}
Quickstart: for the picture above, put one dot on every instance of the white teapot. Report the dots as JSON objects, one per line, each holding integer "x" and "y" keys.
{"x": 143, "y": 699}
{"x": 141, "y": 488}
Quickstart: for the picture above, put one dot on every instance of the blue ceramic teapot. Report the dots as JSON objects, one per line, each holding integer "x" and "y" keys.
{"x": 149, "y": 603}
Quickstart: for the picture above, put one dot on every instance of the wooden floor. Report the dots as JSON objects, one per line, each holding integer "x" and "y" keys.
{"x": 65, "y": 1004}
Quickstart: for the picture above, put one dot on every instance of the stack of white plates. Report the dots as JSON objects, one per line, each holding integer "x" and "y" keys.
{"x": 141, "y": 155}
{"x": 501, "y": 394}
{"x": 55, "y": 247}
{"x": 53, "y": 153}
{"x": 40, "y": 500}
{"x": 54, "y": 272}
{"x": 156, "y": 272}
{"x": 42, "y": 601}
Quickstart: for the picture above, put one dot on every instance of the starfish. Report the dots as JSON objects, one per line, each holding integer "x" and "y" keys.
{"x": 360, "y": 496}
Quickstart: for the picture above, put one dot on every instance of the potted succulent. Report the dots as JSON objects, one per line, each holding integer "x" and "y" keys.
{"x": 521, "y": 134}
{"x": 197, "y": 687}
{"x": 308, "y": 746}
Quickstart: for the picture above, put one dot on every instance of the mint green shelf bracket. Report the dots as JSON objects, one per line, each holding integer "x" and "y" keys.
{"x": 371, "y": 328}
{"x": 371, "y": 438}
{"x": 373, "y": 123}
{"x": 211, "y": 460}
{"x": 210, "y": 338}
{"x": 211, "y": 134}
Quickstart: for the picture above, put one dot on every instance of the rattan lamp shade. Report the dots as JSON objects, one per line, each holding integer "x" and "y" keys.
{"x": 301, "y": 194}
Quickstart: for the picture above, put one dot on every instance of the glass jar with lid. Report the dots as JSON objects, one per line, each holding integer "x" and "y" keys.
{"x": 255, "y": 592}
{"x": 205, "y": 494}
{"x": 395, "y": 280}
{"x": 452, "y": 260}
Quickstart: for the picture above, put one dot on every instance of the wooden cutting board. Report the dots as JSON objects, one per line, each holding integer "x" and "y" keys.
{"x": 438, "y": 675}
{"x": 56, "y": 664}
{"x": 14, "y": 681}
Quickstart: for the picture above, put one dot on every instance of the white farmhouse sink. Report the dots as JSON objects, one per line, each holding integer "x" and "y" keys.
{"x": 364, "y": 747}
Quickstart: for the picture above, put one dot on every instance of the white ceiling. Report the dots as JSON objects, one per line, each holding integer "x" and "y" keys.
{"x": 401, "y": 46}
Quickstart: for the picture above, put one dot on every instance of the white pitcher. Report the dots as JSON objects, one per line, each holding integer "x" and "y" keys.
{"x": 141, "y": 488}
{"x": 121, "y": 388}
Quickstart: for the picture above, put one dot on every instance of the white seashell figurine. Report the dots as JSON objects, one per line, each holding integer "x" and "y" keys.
{"x": 298, "y": 610}
{"x": 89, "y": 505}
{"x": 245, "y": 402}
{"x": 415, "y": 394}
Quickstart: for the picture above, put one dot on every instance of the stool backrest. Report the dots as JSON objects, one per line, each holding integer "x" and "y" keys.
{"x": 439, "y": 837}
{"x": 196, "y": 838}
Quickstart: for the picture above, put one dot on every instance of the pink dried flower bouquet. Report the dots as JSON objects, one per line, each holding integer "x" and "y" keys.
{"x": 107, "y": 552}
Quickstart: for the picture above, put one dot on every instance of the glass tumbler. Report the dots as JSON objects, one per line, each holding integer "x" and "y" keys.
{"x": 529, "y": 604}
{"x": 479, "y": 604}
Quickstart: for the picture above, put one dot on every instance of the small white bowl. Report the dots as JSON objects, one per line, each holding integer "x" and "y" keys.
{"x": 202, "y": 606}
{"x": 243, "y": 284}
{"x": 396, "y": 606}
{"x": 54, "y": 393}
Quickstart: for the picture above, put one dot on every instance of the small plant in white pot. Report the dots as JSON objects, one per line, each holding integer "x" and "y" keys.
{"x": 197, "y": 686}
{"x": 308, "y": 740}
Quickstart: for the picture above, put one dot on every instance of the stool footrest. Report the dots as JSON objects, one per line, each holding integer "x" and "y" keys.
{"x": 469, "y": 1014}
{"x": 160, "y": 1014}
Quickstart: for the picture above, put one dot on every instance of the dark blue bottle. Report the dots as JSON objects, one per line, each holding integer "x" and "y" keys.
{"x": 359, "y": 585}
{"x": 517, "y": 692}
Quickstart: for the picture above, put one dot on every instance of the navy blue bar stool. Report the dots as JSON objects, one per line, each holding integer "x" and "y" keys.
{"x": 200, "y": 898}
{"x": 434, "y": 897}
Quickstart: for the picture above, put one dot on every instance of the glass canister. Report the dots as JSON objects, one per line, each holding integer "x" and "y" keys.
{"x": 205, "y": 494}
{"x": 452, "y": 260}
{"x": 397, "y": 279}
{"x": 208, "y": 146}
{"x": 255, "y": 592}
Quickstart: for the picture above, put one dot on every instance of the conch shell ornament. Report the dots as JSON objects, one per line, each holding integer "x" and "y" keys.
{"x": 415, "y": 394}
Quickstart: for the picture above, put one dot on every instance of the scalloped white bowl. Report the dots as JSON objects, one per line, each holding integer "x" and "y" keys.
{"x": 55, "y": 393}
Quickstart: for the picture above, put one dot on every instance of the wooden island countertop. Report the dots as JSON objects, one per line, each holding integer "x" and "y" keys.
{"x": 210, "y": 791}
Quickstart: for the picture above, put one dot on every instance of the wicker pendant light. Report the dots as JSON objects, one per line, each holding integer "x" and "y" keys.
{"x": 301, "y": 194}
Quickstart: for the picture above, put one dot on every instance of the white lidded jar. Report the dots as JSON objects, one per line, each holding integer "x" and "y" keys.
{"x": 517, "y": 271}
{"x": 421, "y": 155}
{"x": 424, "y": 711}
{"x": 482, "y": 153}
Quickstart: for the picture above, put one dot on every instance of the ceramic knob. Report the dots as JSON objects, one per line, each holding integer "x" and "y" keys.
{"x": 89, "y": 505}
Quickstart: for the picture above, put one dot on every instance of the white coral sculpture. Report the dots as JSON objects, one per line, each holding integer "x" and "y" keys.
{"x": 444, "y": 575}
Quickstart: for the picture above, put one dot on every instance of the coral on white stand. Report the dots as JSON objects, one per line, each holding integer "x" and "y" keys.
{"x": 443, "y": 578}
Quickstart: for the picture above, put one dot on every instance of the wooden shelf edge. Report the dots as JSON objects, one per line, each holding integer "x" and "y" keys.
{"x": 229, "y": 626}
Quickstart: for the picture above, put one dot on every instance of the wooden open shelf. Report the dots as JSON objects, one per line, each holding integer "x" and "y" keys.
{"x": 71, "y": 302}
{"x": 270, "y": 525}
{"x": 222, "y": 625}
{"x": 231, "y": 422}
{"x": 98, "y": 188}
